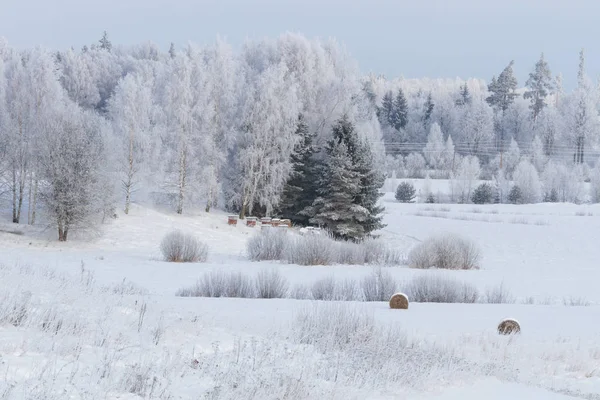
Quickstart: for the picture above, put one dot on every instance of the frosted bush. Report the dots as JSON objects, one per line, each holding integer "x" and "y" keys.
{"x": 220, "y": 284}
{"x": 270, "y": 284}
{"x": 379, "y": 286}
{"x": 498, "y": 295}
{"x": 268, "y": 244}
{"x": 312, "y": 249}
{"x": 440, "y": 289}
{"x": 448, "y": 251}
{"x": 177, "y": 246}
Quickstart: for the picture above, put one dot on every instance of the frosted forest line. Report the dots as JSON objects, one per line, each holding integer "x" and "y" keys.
{"x": 85, "y": 131}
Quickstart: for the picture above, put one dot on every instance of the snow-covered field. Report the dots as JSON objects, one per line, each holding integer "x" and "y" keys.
{"x": 98, "y": 317}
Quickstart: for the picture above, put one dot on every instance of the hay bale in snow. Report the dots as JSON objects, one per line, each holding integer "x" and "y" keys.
{"x": 399, "y": 301}
{"x": 509, "y": 326}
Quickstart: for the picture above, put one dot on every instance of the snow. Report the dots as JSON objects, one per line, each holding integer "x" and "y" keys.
{"x": 545, "y": 255}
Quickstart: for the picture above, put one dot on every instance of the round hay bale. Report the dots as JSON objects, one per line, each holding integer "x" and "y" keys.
{"x": 509, "y": 326}
{"x": 399, "y": 301}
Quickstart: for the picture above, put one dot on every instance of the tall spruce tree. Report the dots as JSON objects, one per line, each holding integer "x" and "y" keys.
{"x": 386, "y": 111}
{"x": 364, "y": 203}
{"x": 539, "y": 86}
{"x": 464, "y": 97}
{"x": 428, "y": 110}
{"x": 105, "y": 43}
{"x": 300, "y": 191}
{"x": 339, "y": 186}
{"x": 371, "y": 180}
{"x": 400, "y": 113}
{"x": 503, "y": 89}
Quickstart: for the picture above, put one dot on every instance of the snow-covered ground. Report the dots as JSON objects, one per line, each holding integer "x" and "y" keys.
{"x": 103, "y": 321}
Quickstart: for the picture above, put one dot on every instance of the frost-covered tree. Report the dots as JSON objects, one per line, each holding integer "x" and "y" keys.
{"x": 72, "y": 160}
{"x": 371, "y": 181}
{"x": 595, "y": 184}
{"x": 434, "y": 149}
{"x": 526, "y": 178}
{"x": 180, "y": 127}
{"x": 548, "y": 129}
{"x": 130, "y": 109}
{"x": 580, "y": 115}
{"x": 300, "y": 190}
{"x": 512, "y": 157}
{"x": 400, "y": 115}
{"x": 449, "y": 154}
{"x": 463, "y": 182}
{"x": 537, "y": 154}
{"x": 222, "y": 87}
{"x": 31, "y": 88}
{"x": 562, "y": 183}
{"x": 539, "y": 84}
{"x": 503, "y": 89}
{"x": 415, "y": 165}
{"x": 464, "y": 97}
{"x": 477, "y": 128}
{"x": 339, "y": 185}
{"x": 266, "y": 139}
{"x": 386, "y": 111}
{"x": 428, "y": 110}
{"x": 105, "y": 43}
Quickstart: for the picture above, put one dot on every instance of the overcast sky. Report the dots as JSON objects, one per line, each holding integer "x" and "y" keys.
{"x": 413, "y": 38}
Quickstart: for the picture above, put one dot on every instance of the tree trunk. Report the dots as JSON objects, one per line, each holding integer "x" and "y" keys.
{"x": 15, "y": 219}
{"x": 182, "y": 182}
{"x": 21, "y": 196}
{"x": 243, "y": 211}
{"x": 34, "y": 205}
{"x": 129, "y": 182}
{"x": 30, "y": 199}
{"x": 62, "y": 232}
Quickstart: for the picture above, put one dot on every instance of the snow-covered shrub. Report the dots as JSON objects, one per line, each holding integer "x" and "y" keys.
{"x": 378, "y": 286}
{"x": 405, "y": 193}
{"x": 350, "y": 253}
{"x": 268, "y": 244}
{"x": 270, "y": 284}
{"x": 177, "y": 246}
{"x": 461, "y": 183}
{"x": 332, "y": 290}
{"x": 220, "y": 284}
{"x": 440, "y": 289}
{"x": 527, "y": 179}
{"x": 415, "y": 166}
{"x": 378, "y": 252}
{"x": 333, "y": 327}
{"x": 324, "y": 289}
{"x": 447, "y": 251}
{"x": 498, "y": 295}
{"x": 483, "y": 194}
{"x": 311, "y": 249}
{"x": 515, "y": 196}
